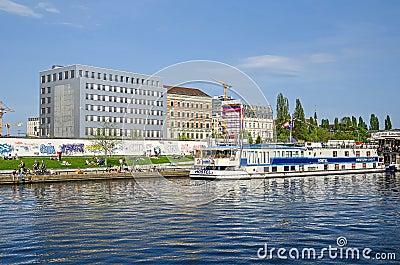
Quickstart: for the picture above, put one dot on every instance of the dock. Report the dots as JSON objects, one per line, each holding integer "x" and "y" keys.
{"x": 6, "y": 178}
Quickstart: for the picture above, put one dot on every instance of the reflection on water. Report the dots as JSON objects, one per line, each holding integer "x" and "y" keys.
{"x": 182, "y": 220}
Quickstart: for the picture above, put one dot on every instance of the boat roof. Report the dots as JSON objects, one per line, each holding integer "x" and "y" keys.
{"x": 255, "y": 146}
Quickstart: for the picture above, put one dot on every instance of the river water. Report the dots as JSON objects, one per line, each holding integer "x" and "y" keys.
{"x": 184, "y": 221}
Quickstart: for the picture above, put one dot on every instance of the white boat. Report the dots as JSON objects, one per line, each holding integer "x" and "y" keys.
{"x": 284, "y": 160}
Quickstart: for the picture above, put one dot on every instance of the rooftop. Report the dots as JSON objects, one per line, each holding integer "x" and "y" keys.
{"x": 185, "y": 91}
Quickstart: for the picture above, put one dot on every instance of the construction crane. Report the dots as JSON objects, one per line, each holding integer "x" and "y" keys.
{"x": 3, "y": 109}
{"x": 8, "y": 125}
{"x": 224, "y": 84}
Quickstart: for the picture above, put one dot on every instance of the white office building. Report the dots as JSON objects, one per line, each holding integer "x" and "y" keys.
{"x": 77, "y": 100}
{"x": 32, "y": 127}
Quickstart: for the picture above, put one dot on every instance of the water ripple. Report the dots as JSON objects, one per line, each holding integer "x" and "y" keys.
{"x": 120, "y": 222}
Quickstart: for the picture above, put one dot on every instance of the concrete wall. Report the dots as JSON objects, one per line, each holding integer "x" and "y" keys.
{"x": 80, "y": 147}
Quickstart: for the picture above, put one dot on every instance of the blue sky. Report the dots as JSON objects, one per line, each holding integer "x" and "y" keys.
{"x": 340, "y": 57}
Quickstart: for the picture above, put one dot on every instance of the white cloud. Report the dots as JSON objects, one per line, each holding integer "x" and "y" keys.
{"x": 18, "y": 9}
{"x": 48, "y": 8}
{"x": 273, "y": 64}
{"x": 322, "y": 58}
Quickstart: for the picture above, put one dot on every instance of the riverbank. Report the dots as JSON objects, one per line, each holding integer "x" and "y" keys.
{"x": 7, "y": 178}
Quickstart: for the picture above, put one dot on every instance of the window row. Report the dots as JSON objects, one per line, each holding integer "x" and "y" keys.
{"x": 188, "y": 105}
{"x": 43, "y": 90}
{"x": 46, "y": 120}
{"x": 120, "y": 78}
{"x": 186, "y": 125}
{"x": 126, "y": 90}
{"x": 57, "y": 76}
{"x": 45, "y": 100}
{"x": 45, "y": 110}
{"x": 123, "y": 132}
{"x": 68, "y": 74}
{"x": 125, "y": 100}
{"x": 190, "y": 115}
{"x": 197, "y": 136}
{"x": 124, "y": 120}
{"x": 124, "y": 110}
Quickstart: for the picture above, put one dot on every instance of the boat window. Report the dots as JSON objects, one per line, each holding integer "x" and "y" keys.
{"x": 274, "y": 169}
{"x": 286, "y": 168}
{"x": 368, "y": 153}
{"x": 334, "y": 153}
{"x": 346, "y": 153}
{"x": 353, "y": 166}
{"x": 357, "y": 153}
{"x": 302, "y": 153}
{"x": 293, "y": 168}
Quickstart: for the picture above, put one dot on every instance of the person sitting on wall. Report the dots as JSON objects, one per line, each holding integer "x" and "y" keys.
{"x": 43, "y": 167}
{"x": 100, "y": 161}
{"x": 35, "y": 167}
{"x": 79, "y": 171}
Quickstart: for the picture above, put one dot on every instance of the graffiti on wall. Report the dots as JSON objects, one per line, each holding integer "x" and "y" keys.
{"x": 5, "y": 148}
{"x": 69, "y": 149}
{"x": 47, "y": 149}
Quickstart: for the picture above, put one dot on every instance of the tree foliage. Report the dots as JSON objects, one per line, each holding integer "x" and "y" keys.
{"x": 388, "y": 123}
{"x": 345, "y": 128}
{"x": 104, "y": 139}
{"x": 373, "y": 122}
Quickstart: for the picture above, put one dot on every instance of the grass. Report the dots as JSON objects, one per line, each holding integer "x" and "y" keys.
{"x": 80, "y": 161}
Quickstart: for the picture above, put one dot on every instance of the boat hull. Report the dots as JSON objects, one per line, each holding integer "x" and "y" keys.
{"x": 241, "y": 174}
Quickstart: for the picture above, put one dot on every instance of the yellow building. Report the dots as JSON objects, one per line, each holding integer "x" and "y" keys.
{"x": 188, "y": 113}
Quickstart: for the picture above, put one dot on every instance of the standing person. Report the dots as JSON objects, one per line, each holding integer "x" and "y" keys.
{"x": 59, "y": 155}
{"x": 21, "y": 166}
{"x": 14, "y": 175}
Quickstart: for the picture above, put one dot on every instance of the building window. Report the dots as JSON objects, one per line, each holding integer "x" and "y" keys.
{"x": 43, "y": 79}
{"x": 172, "y": 103}
{"x": 49, "y": 90}
{"x": 42, "y": 100}
{"x": 48, "y": 99}
{"x": 48, "y": 78}
{"x": 42, "y": 90}
{"x": 48, "y": 110}
{"x": 86, "y": 73}
{"x": 80, "y": 73}
{"x": 66, "y": 75}
{"x": 92, "y": 75}
{"x": 72, "y": 73}
{"x": 60, "y": 76}
{"x": 54, "y": 77}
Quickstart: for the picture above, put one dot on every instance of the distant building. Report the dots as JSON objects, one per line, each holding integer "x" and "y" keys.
{"x": 76, "y": 100}
{"x": 32, "y": 127}
{"x": 256, "y": 120}
{"x": 189, "y": 113}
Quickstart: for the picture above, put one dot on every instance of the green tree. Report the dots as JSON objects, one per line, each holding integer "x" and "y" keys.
{"x": 325, "y": 124}
{"x": 282, "y": 108}
{"x": 282, "y": 115}
{"x": 300, "y": 128}
{"x": 104, "y": 138}
{"x": 259, "y": 139}
{"x": 353, "y": 121}
{"x": 373, "y": 122}
{"x": 362, "y": 124}
{"x": 336, "y": 124}
{"x": 388, "y": 123}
